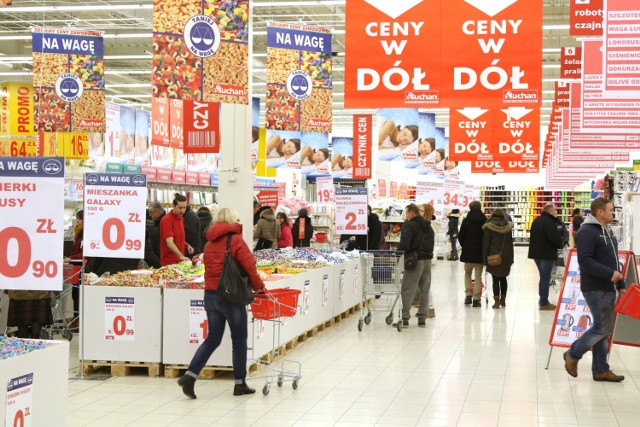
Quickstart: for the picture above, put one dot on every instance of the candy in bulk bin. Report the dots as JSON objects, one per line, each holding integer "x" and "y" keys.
{"x": 12, "y": 347}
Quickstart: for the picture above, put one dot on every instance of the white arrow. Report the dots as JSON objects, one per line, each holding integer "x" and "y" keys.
{"x": 472, "y": 113}
{"x": 393, "y": 8}
{"x": 516, "y": 113}
{"x": 491, "y": 7}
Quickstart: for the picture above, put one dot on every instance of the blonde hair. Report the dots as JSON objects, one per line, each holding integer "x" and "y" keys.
{"x": 227, "y": 215}
{"x": 429, "y": 211}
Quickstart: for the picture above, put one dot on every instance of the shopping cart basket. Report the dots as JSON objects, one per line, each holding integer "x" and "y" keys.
{"x": 629, "y": 304}
{"x": 381, "y": 275}
{"x": 72, "y": 273}
{"x": 557, "y": 272}
{"x": 274, "y": 305}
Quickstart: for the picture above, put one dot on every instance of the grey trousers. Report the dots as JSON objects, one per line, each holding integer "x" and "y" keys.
{"x": 470, "y": 267}
{"x": 417, "y": 279}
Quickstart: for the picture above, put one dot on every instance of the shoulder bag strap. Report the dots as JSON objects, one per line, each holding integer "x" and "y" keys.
{"x": 504, "y": 238}
{"x": 229, "y": 236}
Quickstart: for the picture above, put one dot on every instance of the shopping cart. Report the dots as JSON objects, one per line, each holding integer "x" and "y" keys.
{"x": 72, "y": 274}
{"x": 557, "y": 272}
{"x": 381, "y": 275}
{"x": 274, "y": 306}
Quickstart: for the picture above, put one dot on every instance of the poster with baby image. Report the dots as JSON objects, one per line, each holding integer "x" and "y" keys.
{"x": 426, "y": 164}
{"x": 314, "y": 155}
{"x": 398, "y": 135}
{"x": 342, "y": 157}
{"x": 283, "y": 149}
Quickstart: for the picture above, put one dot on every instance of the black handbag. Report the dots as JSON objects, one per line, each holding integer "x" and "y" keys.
{"x": 410, "y": 260}
{"x": 234, "y": 282}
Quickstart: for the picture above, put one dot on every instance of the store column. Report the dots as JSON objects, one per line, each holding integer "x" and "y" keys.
{"x": 236, "y": 176}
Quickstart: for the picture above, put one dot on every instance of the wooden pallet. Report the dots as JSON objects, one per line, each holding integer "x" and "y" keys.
{"x": 121, "y": 369}
{"x": 208, "y": 372}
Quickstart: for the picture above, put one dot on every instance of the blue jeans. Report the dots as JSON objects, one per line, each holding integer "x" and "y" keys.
{"x": 544, "y": 268}
{"x": 454, "y": 249}
{"x": 219, "y": 312}
{"x": 602, "y": 305}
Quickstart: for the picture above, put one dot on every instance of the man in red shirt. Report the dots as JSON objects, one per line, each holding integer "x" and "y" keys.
{"x": 172, "y": 238}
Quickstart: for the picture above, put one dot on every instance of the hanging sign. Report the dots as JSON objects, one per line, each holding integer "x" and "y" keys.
{"x": 342, "y": 157}
{"x": 470, "y": 134}
{"x": 516, "y": 133}
{"x": 299, "y": 78}
{"x": 160, "y": 126}
{"x": 382, "y": 188}
{"x": 119, "y": 319}
{"x": 622, "y": 49}
{"x": 362, "y": 143}
{"x": 325, "y": 189}
{"x": 31, "y": 245}
{"x": 386, "y": 43}
{"x": 201, "y": 127}
{"x": 68, "y": 78}
{"x": 586, "y": 18}
{"x": 114, "y": 215}
{"x": 570, "y": 63}
{"x": 19, "y": 406}
{"x": 351, "y": 210}
{"x": 198, "y": 324}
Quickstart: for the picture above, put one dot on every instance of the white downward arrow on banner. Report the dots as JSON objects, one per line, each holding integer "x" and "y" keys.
{"x": 491, "y": 7}
{"x": 393, "y": 8}
{"x": 472, "y": 113}
{"x": 516, "y": 113}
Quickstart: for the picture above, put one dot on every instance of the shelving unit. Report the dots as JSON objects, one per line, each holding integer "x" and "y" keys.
{"x": 391, "y": 228}
{"x": 322, "y": 218}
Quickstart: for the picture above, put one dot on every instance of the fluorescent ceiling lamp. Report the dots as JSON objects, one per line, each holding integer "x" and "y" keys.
{"x": 15, "y": 73}
{"x": 134, "y": 95}
{"x": 264, "y": 33}
{"x": 550, "y": 65}
{"x": 551, "y": 50}
{"x": 113, "y": 86}
{"x": 257, "y": 4}
{"x": 555, "y": 27}
{"x": 106, "y": 36}
{"x": 78, "y": 8}
{"x": 29, "y": 59}
{"x": 125, "y": 72}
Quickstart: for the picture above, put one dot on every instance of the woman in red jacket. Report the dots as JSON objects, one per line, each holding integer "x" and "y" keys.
{"x": 286, "y": 238}
{"x": 220, "y": 311}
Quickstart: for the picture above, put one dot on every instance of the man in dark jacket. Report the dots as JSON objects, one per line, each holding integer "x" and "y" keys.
{"x": 599, "y": 278}
{"x": 302, "y": 230}
{"x": 374, "y": 235}
{"x": 192, "y": 231}
{"x": 416, "y": 237}
{"x": 452, "y": 232}
{"x": 544, "y": 241}
{"x": 151, "y": 258}
{"x": 470, "y": 238}
{"x": 157, "y": 212}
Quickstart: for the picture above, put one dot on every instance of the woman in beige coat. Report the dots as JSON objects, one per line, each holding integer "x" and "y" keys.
{"x": 267, "y": 230}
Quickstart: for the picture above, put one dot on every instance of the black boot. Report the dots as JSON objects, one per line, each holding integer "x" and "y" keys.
{"x": 187, "y": 383}
{"x": 243, "y": 388}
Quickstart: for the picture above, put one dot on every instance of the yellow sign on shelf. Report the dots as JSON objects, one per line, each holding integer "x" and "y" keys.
{"x": 75, "y": 145}
{"x": 14, "y": 147}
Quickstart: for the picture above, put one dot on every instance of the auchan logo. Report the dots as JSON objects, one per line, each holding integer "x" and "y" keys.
{"x": 522, "y": 96}
{"x": 232, "y": 90}
{"x": 422, "y": 97}
{"x": 318, "y": 122}
{"x": 91, "y": 123}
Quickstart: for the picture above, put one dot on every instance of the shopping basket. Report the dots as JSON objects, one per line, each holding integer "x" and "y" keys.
{"x": 275, "y": 303}
{"x": 629, "y": 304}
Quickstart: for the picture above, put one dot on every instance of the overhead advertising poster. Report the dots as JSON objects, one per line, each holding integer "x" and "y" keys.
{"x": 561, "y": 97}
{"x": 31, "y": 244}
{"x": 427, "y": 143}
{"x": 586, "y": 18}
{"x": 491, "y": 53}
{"x": 112, "y": 134}
{"x": 298, "y": 150}
{"x": 471, "y": 134}
{"x": 201, "y": 126}
{"x": 604, "y": 112}
{"x": 571, "y": 63}
{"x": 200, "y": 50}
{"x": 68, "y": 79}
{"x": 315, "y": 159}
{"x": 516, "y": 133}
{"x": 299, "y": 78}
{"x": 342, "y": 157}
{"x": 127, "y": 153}
{"x": 141, "y": 138}
{"x": 386, "y": 46}
{"x": 17, "y": 133}
{"x": 398, "y": 135}
{"x": 114, "y": 215}
{"x": 622, "y": 48}
{"x": 362, "y": 146}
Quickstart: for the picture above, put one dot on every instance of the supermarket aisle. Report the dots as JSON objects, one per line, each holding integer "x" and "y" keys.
{"x": 469, "y": 367}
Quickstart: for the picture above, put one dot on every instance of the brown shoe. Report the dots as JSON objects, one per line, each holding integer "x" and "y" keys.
{"x": 570, "y": 364}
{"x": 608, "y": 376}
{"x": 548, "y": 307}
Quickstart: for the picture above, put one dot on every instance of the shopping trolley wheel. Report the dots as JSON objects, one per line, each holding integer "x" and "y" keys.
{"x": 389, "y": 319}
{"x": 67, "y": 335}
{"x": 399, "y": 325}
{"x": 45, "y": 334}
{"x": 265, "y": 389}
{"x": 360, "y": 324}
{"x": 280, "y": 380}
{"x": 367, "y": 318}
{"x": 295, "y": 384}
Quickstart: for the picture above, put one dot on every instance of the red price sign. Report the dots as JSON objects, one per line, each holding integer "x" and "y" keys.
{"x": 325, "y": 189}
{"x": 119, "y": 318}
{"x": 31, "y": 245}
{"x": 351, "y": 211}
{"x": 114, "y": 215}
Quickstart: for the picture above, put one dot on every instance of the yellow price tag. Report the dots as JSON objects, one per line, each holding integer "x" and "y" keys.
{"x": 49, "y": 141}
{"x": 23, "y": 148}
{"x": 76, "y": 145}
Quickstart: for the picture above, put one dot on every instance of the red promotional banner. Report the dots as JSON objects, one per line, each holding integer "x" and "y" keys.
{"x": 561, "y": 95}
{"x": 622, "y": 48}
{"x": 470, "y": 134}
{"x": 491, "y": 52}
{"x": 268, "y": 197}
{"x": 586, "y": 18}
{"x": 175, "y": 124}
{"x": 404, "y": 191}
{"x": 362, "y": 143}
{"x": 516, "y": 132}
{"x": 571, "y": 63}
{"x": 386, "y": 44}
{"x": 160, "y": 126}
{"x": 201, "y": 127}
{"x": 382, "y": 188}
{"x": 393, "y": 189}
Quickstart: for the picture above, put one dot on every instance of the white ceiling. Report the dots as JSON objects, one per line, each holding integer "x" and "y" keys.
{"x": 128, "y": 28}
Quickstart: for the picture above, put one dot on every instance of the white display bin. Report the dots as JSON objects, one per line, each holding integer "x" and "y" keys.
{"x": 104, "y": 338}
{"x": 46, "y": 397}
{"x": 347, "y": 285}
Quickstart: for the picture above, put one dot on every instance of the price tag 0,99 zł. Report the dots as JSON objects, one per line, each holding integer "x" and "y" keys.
{"x": 114, "y": 207}
{"x": 119, "y": 318}
{"x": 31, "y": 222}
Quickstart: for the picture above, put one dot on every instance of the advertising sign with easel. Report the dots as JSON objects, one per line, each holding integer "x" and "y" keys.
{"x": 573, "y": 317}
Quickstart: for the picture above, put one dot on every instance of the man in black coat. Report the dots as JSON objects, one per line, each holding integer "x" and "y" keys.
{"x": 545, "y": 239}
{"x": 470, "y": 238}
{"x": 192, "y": 231}
{"x": 157, "y": 212}
{"x": 375, "y": 231}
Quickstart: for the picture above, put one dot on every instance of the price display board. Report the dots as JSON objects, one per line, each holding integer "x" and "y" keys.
{"x": 114, "y": 215}
{"x": 119, "y": 319}
{"x": 76, "y": 145}
{"x": 325, "y": 189}
{"x": 19, "y": 147}
{"x": 19, "y": 397}
{"x": 351, "y": 211}
{"x": 198, "y": 324}
{"x": 31, "y": 222}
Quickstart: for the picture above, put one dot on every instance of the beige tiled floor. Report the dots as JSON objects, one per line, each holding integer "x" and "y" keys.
{"x": 469, "y": 367}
